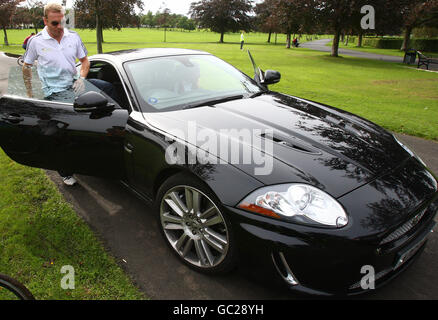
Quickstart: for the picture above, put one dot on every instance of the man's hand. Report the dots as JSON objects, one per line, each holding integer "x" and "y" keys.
{"x": 79, "y": 86}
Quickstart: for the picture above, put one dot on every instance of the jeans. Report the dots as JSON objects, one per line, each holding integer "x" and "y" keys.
{"x": 105, "y": 86}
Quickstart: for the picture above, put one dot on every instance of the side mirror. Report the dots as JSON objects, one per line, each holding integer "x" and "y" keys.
{"x": 271, "y": 77}
{"x": 92, "y": 102}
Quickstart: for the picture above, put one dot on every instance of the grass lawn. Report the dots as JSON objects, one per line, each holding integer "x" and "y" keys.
{"x": 142, "y": 35}
{"x": 40, "y": 233}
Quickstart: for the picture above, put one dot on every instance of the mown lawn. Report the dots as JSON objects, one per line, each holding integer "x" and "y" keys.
{"x": 40, "y": 233}
{"x": 142, "y": 35}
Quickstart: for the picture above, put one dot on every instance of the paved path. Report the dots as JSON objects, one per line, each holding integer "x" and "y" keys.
{"x": 321, "y": 45}
{"x": 128, "y": 229}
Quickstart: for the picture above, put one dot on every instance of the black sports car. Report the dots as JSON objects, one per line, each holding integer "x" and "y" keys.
{"x": 307, "y": 191}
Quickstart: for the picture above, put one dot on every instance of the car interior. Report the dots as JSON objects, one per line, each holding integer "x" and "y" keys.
{"x": 105, "y": 71}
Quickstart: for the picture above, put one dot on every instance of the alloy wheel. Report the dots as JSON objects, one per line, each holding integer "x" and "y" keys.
{"x": 194, "y": 226}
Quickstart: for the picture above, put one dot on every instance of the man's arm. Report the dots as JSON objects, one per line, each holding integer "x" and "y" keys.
{"x": 79, "y": 84}
{"x": 85, "y": 67}
{"x": 27, "y": 77}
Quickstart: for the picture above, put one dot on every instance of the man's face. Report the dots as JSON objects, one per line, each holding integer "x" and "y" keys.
{"x": 54, "y": 23}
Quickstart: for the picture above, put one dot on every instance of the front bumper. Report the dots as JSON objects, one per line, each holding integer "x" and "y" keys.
{"x": 326, "y": 262}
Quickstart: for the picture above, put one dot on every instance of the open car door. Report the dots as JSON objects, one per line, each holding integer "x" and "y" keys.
{"x": 55, "y": 135}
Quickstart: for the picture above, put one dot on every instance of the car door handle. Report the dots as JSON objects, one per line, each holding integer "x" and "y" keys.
{"x": 129, "y": 147}
{"x": 12, "y": 118}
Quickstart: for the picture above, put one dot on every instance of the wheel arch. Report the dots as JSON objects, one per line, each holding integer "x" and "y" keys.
{"x": 228, "y": 183}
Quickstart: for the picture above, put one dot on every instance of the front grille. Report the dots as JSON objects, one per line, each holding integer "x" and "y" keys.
{"x": 405, "y": 228}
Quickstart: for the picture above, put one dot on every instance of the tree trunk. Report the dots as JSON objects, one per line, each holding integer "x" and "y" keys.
{"x": 276, "y": 38}
{"x": 288, "y": 35}
{"x": 342, "y": 36}
{"x": 99, "y": 34}
{"x": 359, "y": 43}
{"x": 407, "y": 39}
{"x": 6, "y": 36}
{"x": 222, "y": 37}
{"x": 269, "y": 37}
{"x": 335, "y": 46}
{"x": 36, "y": 28}
{"x": 348, "y": 39}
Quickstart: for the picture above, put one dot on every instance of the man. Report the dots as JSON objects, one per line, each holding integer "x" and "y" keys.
{"x": 56, "y": 50}
{"x": 26, "y": 40}
{"x": 242, "y": 40}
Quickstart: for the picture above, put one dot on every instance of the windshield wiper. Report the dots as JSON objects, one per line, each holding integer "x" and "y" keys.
{"x": 211, "y": 102}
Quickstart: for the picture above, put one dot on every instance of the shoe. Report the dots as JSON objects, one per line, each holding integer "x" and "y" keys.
{"x": 69, "y": 181}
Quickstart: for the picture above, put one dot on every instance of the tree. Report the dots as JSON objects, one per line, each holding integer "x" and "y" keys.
{"x": 337, "y": 16}
{"x": 222, "y": 15}
{"x": 105, "y": 14}
{"x": 164, "y": 20}
{"x": 265, "y": 19}
{"x": 36, "y": 13}
{"x": 7, "y": 10}
{"x": 417, "y": 13}
{"x": 148, "y": 19}
{"x": 293, "y": 16}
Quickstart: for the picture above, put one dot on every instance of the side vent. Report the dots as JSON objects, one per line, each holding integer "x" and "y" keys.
{"x": 292, "y": 143}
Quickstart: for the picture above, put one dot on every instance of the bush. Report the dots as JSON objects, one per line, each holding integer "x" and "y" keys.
{"x": 425, "y": 32}
{"x": 383, "y": 43}
{"x": 428, "y": 45}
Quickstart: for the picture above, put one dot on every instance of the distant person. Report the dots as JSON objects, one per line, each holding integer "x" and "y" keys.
{"x": 24, "y": 46}
{"x": 295, "y": 43}
{"x": 242, "y": 40}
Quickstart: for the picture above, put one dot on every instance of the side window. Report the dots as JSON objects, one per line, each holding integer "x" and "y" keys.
{"x": 41, "y": 88}
{"x": 104, "y": 76}
{"x": 16, "y": 85}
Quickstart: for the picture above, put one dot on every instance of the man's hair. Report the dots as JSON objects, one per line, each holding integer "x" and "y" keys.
{"x": 52, "y": 7}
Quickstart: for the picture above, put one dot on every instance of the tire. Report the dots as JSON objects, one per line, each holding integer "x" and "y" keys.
{"x": 15, "y": 287}
{"x": 202, "y": 237}
{"x": 20, "y": 60}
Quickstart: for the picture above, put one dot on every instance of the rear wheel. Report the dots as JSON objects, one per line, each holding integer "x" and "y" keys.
{"x": 194, "y": 225}
{"x": 20, "y": 61}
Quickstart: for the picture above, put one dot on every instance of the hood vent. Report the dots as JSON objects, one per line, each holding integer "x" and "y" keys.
{"x": 292, "y": 143}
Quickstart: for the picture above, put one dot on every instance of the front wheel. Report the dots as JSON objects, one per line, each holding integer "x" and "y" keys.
{"x": 14, "y": 289}
{"x": 194, "y": 225}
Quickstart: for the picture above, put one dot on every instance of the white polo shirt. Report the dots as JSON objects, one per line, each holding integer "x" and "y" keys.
{"x": 56, "y": 61}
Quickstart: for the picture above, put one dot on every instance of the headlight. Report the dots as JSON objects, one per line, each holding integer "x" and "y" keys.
{"x": 298, "y": 203}
{"x": 409, "y": 151}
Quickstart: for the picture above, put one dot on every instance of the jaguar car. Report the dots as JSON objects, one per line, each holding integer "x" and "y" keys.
{"x": 305, "y": 192}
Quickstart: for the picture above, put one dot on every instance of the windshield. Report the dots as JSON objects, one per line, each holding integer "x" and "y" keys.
{"x": 178, "y": 82}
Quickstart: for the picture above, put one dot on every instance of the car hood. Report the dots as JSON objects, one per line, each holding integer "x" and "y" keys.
{"x": 312, "y": 143}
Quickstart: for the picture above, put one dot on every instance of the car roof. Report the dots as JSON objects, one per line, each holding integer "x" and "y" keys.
{"x": 143, "y": 53}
